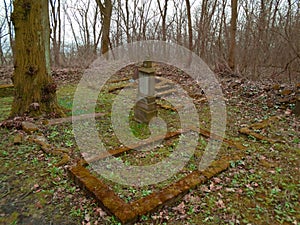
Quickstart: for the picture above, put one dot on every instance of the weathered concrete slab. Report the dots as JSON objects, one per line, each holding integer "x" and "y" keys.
{"x": 71, "y": 118}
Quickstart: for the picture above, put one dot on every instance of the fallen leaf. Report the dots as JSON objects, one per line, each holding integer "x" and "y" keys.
{"x": 217, "y": 180}
{"x": 249, "y": 186}
{"x": 205, "y": 189}
{"x": 220, "y": 204}
{"x": 87, "y": 217}
{"x": 218, "y": 187}
{"x": 38, "y": 205}
{"x": 229, "y": 189}
{"x": 288, "y": 112}
{"x": 227, "y": 179}
{"x": 212, "y": 186}
{"x": 180, "y": 208}
{"x": 187, "y": 197}
{"x": 195, "y": 199}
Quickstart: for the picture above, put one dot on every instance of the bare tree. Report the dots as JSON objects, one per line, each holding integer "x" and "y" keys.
{"x": 190, "y": 26}
{"x": 8, "y": 5}
{"x": 85, "y": 23}
{"x": 106, "y": 11}
{"x": 177, "y": 26}
{"x": 259, "y": 36}
{"x": 69, "y": 18}
{"x": 233, "y": 27}
{"x": 97, "y": 31}
{"x": 204, "y": 23}
{"x": 163, "y": 13}
{"x": 123, "y": 20}
{"x": 3, "y": 34}
{"x": 56, "y": 25}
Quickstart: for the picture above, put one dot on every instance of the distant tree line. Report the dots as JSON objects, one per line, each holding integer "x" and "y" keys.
{"x": 254, "y": 38}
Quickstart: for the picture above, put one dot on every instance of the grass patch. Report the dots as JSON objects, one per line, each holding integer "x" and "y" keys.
{"x": 5, "y": 109}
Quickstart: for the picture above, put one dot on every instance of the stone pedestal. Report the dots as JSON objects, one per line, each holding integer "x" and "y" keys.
{"x": 145, "y": 108}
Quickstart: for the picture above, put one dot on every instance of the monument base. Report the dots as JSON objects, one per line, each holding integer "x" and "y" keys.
{"x": 145, "y": 109}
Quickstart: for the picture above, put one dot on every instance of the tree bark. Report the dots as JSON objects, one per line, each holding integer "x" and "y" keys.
{"x": 35, "y": 90}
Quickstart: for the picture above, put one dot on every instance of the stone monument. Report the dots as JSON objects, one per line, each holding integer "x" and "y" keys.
{"x": 145, "y": 108}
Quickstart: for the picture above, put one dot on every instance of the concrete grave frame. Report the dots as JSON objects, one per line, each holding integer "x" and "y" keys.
{"x": 130, "y": 212}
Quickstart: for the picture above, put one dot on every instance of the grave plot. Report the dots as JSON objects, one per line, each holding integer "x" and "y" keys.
{"x": 139, "y": 201}
{"x": 128, "y": 203}
{"x": 266, "y": 174}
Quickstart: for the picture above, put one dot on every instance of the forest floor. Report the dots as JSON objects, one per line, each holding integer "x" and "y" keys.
{"x": 262, "y": 187}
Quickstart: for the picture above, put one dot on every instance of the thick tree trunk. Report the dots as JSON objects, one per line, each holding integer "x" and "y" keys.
{"x": 35, "y": 90}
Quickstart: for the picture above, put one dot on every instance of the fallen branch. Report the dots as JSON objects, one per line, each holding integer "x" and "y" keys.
{"x": 257, "y": 126}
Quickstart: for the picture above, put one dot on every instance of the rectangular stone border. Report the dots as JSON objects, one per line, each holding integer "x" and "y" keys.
{"x": 73, "y": 118}
{"x": 69, "y": 119}
{"x": 121, "y": 150}
{"x": 169, "y": 135}
{"x": 128, "y": 213}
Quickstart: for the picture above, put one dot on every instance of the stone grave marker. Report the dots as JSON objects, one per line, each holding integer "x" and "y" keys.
{"x": 145, "y": 108}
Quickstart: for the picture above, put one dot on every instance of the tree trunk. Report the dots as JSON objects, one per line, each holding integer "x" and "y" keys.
{"x": 2, "y": 57}
{"x": 190, "y": 30}
{"x": 127, "y": 23}
{"x": 297, "y": 107}
{"x": 106, "y": 11}
{"x": 234, "y": 15}
{"x": 8, "y": 9}
{"x": 190, "y": 27}
{"x": 35, "y": 90}
{"x": 163, "y": 14}
{"x": 56, "y": 33}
